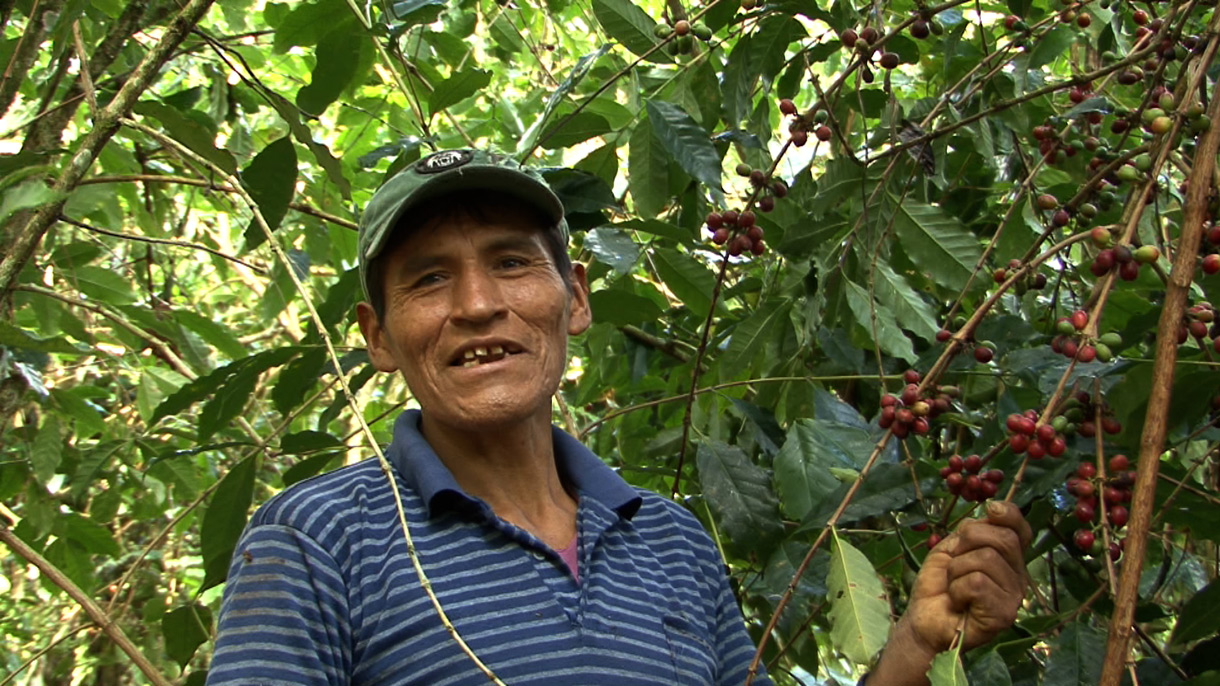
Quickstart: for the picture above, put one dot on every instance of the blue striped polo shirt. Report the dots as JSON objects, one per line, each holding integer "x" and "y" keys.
{"x": 322, "y": 590}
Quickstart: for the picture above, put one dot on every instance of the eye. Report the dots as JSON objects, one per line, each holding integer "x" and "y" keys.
{"x": 513, "y": 262}
{"x": 428, "y": 279}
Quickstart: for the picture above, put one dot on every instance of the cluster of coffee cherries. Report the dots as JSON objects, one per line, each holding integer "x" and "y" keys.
{"x": 1026, "y": 435}
{"x": 684, "y": 33}
{"x": 863, "y": 42}
{"x": 1032, "y": 282}
{"x": 738, "y": 229}
{"x": 1070, "y": 342}
{"x": 1079, "y": 415}
{"x": 984, "y": 351}
{"x": 1122, "y": 257}
{"x": 1091, "y": 492}
{"x": 799, "y": 128}
{"x": 965, "y": 477}
{"x": 1200, "y": 323}
{"x": 911, "y": 411}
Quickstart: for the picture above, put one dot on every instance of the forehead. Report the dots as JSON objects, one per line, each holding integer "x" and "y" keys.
{"x": 468, "y": 209}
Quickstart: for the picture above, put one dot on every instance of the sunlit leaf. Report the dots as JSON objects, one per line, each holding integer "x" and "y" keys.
{"x": 626, "y": 23}
{"x": 859, "y": 611}
{"x": 685, "y": 141}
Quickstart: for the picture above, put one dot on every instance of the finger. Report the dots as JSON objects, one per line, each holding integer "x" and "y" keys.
{"x": 1009, "y": 516}
{"x": 985, "y": 597}
{"x": 981, "y": 534}
{"x": 988, "y": 563}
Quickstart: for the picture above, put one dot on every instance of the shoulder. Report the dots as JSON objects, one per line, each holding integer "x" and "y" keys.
{"x": 661, "y": 520}
{"x": 332, "y": 503}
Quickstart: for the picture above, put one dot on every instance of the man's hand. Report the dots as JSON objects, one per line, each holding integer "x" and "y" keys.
{"x": 976, "y": 576}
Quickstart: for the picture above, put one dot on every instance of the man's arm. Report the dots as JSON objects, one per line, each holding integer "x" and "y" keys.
{"x": 976, "y": 576}
{"x": 285, "y": 618}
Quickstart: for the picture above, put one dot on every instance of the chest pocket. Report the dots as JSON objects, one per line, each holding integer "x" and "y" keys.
{"x": 690, "y": 649}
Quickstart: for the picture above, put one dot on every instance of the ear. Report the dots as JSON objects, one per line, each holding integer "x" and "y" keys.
{"x": 375, "y": 338}
{"x": 580, "y": 313}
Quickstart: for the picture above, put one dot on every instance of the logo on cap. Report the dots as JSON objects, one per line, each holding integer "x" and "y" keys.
{"x": 442, "y": 161}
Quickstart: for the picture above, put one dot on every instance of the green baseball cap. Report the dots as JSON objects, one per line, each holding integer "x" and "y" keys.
{"x": 445, "y": 172}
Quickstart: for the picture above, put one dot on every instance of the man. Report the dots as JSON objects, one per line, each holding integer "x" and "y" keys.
{"x": 548, "y": 566}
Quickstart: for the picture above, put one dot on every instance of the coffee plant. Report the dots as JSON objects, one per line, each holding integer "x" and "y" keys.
{"x": 856, "y": 268}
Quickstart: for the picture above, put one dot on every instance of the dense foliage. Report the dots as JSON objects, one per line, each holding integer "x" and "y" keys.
{"x": 955, "y": 230}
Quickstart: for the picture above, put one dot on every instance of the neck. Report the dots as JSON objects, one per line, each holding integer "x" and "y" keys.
{"x": 513, "y": 470}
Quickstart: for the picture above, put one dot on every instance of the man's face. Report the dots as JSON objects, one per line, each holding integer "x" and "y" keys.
{"x": 477, "y": 318}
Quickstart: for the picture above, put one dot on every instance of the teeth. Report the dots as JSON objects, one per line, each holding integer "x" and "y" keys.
{"x": 497, "y": 350}
{"x": 480, "y": 351}
{"x": 470, "y": 363}
{"x": 469, "y": 355}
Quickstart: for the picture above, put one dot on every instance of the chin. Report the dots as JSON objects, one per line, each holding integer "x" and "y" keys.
{"x": 502, "y": 413}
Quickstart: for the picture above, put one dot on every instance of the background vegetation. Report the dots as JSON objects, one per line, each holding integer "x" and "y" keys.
{"x": 180, "y": 184}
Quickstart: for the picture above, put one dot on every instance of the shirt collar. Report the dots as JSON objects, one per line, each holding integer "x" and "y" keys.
{"x": 413, "y": 457}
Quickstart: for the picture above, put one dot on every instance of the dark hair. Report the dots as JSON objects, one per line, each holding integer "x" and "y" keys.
{"x": 480, "y": 206}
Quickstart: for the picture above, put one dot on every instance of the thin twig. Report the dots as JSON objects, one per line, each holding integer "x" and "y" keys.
{"x": 95, "y": 612}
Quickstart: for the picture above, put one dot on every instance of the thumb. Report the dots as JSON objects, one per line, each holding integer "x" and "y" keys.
{"x": 1008, "y": 515}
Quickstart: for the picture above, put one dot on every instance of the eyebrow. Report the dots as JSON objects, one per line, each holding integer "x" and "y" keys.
{"x": 418, "y": 263}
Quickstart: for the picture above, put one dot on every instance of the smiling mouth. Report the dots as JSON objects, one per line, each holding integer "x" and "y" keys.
{"x": 473, "y": 357}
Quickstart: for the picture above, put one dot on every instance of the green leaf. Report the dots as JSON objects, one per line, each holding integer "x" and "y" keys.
{"x": 935, "y": 242}
{"x": 629, "y": 25}
{"x": 337, "y": 59}
{"x": 308, "y": 442}
{"x": 764, "y": 326}
{"x": 1075, "y": 657}
{"x": 812, "y": 448}
{"x": 86, "y": 416}
{"x": 989, "y": 670}
{"x": 414, "y": 12}
{"x": 859, "y": 611}
{"x": 622, "y": 308}
{"x": 739, "y": 492}
{"x": 224, "y": 520}
{"x": 310, "y": 466}
{"x": 270, "y": 179}
{"x": 886, "y": 333}
{"x": 213, "y": 333}
{"x": 687, "y": 278}
{"x": 47, "y": 449}
{"x": 103, "y": 285}
{"x": 459, "y": 86}
{"x": 1051, "y": 46}
{"x": 305, "y": 24}
{"x": 947, "y": 669}
{"x": 297, "y": 378}
{"x": 887, "y": 489}
{"x": 911, "y": 311}
{"x": 184, "y": 630}
{"x": 14, "y": 337}
{"x": 686, "y": 141}
{"x": 613, "y": 247}
{"x": 92, "y": 537}
{"x": 301, "y": 132}
{"x": 26, "y": 196}
{"x": 189, "y": 132}
{"x": 647, "y": 171}
{"x": 569, "y": 131}
{"x": 224, "y": 407}
{"x": 1198, "y": 618}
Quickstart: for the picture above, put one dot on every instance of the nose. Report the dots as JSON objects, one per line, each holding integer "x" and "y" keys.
{"x": 478, "y": 296}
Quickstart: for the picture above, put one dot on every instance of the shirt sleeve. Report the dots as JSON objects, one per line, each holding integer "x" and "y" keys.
{"x": 285, "y": 614}
{"x": 734, "y": 646}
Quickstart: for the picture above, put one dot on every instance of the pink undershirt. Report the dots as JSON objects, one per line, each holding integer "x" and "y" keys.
{"x": 568, "y": 554}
